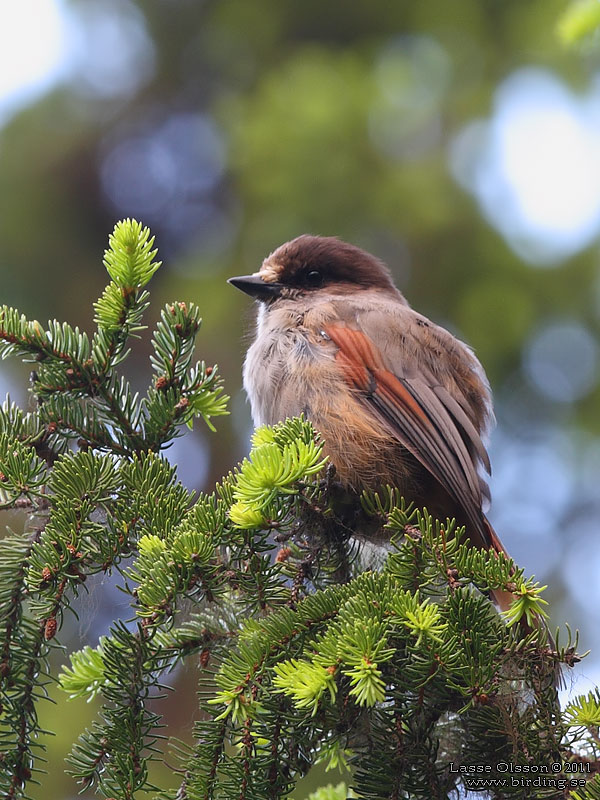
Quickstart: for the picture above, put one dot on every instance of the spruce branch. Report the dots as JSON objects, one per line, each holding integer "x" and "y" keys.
{"x": 81, "y": 394}
{"x": 91, "y": 507}
{"x": 115, "y": 754}
{"x": 23, "y": 672}
{"x": 22, "y": 472}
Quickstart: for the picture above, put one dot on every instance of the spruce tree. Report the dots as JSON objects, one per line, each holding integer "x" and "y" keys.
{"x": 311, "y": 650}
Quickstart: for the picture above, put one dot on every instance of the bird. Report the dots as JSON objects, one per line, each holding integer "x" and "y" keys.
{"x": 397, "y": 399}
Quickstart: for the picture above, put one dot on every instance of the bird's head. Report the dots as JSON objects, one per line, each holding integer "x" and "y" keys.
{"x": 310, "y": 264}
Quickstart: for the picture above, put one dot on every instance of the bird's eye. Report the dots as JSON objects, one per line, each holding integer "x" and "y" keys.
{"x": 314, "y": 278}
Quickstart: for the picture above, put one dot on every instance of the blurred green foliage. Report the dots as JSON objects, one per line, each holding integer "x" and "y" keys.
{"x": 580, "y": 19}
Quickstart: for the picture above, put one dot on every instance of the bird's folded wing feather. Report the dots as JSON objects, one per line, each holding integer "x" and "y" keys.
{"x": 420, "y": 413}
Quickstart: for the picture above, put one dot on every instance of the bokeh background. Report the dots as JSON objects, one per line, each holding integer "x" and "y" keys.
{"x": 459, "y": 141}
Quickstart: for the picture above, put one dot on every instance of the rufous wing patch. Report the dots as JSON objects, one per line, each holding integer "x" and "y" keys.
{"x": 416, "y": 417}
{"x": 360, "y": 359}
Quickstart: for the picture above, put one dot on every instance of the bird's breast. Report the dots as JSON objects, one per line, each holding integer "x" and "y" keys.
{"x": 292, "y": 370}
{"x": 286, "y": 368}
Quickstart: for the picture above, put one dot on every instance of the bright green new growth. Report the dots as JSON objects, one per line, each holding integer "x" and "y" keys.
{"x": 339, "y": 792}
{"x": 584, "y": 711}
{"x": 310, "y": 653}
{"x": 305, "y": 682}
{"x": 86, "y": 676}
{"x": 130, "y": 258}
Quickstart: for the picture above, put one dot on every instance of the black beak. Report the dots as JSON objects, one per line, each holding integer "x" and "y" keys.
{"x": 256, "y": 287}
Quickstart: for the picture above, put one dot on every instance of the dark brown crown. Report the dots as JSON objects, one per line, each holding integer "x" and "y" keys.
{"x": 335, "y": 260}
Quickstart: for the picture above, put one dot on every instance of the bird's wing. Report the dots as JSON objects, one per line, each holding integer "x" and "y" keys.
{"x": 400, "y": 387}
{"x": 398, "y": 383}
